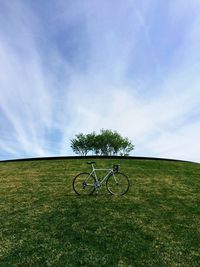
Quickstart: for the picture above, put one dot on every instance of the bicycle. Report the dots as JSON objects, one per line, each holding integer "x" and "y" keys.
{"x": 86, "y": 183}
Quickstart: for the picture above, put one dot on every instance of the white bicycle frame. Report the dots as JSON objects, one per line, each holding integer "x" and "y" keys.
{"x": 100, "y": 182}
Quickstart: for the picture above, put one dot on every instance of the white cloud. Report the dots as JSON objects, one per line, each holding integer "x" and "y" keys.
{"x": 180, "y": 144}
{"x": 23, "y": 98}
{"x": 43, "y": 93}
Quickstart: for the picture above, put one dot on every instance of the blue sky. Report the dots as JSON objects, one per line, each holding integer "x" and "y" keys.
{"x": 79, "y": 66}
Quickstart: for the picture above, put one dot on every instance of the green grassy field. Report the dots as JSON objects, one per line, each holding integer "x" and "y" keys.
{"x": 43, "y": 222}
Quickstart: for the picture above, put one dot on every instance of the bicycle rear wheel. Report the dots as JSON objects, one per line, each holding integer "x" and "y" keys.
{"x": 117, "y": 184}
{"x": 83, "y": 184}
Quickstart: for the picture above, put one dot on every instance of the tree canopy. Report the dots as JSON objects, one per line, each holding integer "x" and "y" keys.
{"x": 105, "y": 143}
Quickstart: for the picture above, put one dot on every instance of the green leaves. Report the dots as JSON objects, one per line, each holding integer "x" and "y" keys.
{"x": 107, "y": 143}
{"x": 80, "y": 144}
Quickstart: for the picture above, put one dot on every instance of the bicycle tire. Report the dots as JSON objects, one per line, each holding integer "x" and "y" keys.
{"x": 80, "y": 184}
{"x": 117, "y": 184}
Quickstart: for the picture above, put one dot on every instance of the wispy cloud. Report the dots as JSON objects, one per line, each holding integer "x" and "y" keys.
{"x": 25, "y": 102}
{"x": 67, "y": 67}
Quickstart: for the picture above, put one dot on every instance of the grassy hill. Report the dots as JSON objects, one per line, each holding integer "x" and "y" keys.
{"x": 43, "y": 222}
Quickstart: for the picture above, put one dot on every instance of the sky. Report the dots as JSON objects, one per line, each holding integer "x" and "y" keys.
{"x": 71, "y": 66}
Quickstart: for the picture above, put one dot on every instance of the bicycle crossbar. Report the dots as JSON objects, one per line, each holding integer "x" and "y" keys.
{"x": 102, "y": 169}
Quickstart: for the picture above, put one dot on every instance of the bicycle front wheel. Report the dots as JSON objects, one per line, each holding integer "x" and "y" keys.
{"x": 83, "y": 184}
{"x": 117, "y": 184}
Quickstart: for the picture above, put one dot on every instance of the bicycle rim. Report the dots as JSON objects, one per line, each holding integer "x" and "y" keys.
{"x": 117, "y": 184}
{"x": 83, "y": 184}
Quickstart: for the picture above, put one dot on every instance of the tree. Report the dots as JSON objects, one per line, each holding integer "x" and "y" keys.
{"x": 80, "y": 144}
{"x": 106, "y": 143}
{"x": 109, "y": 142}
{"x": 91, "y": 142}
{"x": 126, "y": 147}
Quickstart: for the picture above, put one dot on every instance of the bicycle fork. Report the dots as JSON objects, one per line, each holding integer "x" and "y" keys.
{"x": 117, "y": 183}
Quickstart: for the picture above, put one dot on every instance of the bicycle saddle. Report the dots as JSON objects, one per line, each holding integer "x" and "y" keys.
{"x": 90, "y": 162}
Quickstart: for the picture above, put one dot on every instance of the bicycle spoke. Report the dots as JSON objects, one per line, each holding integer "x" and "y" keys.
{"x": 83, "y": 184}
{"x": 117, "y": 184}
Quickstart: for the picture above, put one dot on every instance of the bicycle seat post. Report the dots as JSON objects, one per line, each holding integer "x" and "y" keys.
{"x": 92, "y": 167}
{"x": 92, "y": 163}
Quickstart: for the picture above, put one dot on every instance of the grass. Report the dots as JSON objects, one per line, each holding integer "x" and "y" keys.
{"x": 43, "y": 223}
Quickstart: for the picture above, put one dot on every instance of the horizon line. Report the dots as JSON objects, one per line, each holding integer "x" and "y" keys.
{"x": 96, "y": 156}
